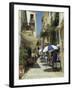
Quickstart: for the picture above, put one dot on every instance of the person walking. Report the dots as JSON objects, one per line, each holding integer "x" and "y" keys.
{"x": 54, "y": 59}
{"x": 46, "y": 59}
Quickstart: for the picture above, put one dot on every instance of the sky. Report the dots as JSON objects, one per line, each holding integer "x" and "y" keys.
{"x": 39, "y": 15}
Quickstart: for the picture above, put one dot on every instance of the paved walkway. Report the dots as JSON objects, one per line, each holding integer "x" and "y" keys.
{"x": 41, "y": 70}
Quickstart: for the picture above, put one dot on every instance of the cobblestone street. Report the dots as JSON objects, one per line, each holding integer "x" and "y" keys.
{"x": 42, "y": 70}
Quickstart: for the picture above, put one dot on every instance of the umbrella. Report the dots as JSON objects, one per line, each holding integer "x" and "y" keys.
{"x": 45, "y": 49}
{"x": 40, "y": 50}
{"x": 50, "y": 48}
